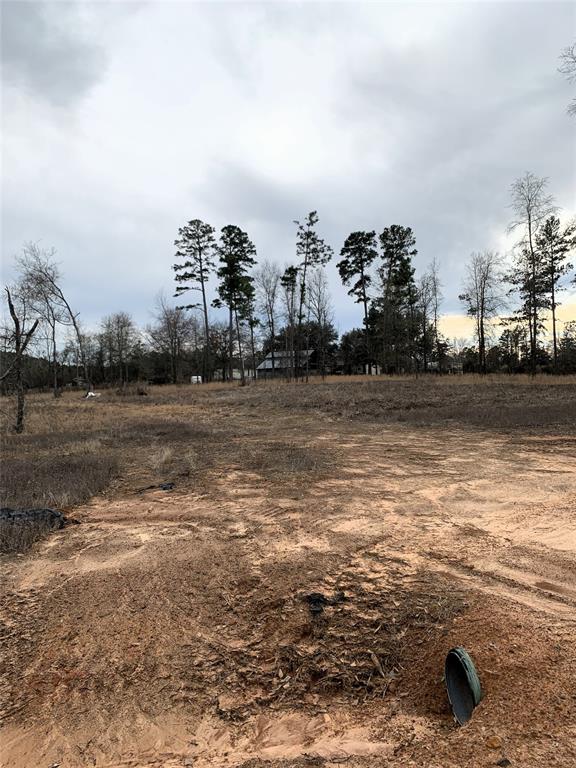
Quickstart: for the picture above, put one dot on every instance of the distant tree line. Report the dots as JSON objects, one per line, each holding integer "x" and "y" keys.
{"x": 523, "y": 291}
{"x": 285, "y": 314}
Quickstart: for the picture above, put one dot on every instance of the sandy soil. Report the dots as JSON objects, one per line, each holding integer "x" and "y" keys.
{"x": 172, "y": 628}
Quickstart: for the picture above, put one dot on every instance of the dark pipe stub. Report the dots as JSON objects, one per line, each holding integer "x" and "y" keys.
{"x": 462, "y": 684}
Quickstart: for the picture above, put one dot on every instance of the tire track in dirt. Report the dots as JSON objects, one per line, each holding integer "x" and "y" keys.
{"x": 457, "y": 517}
{"x": 163, "y": 596}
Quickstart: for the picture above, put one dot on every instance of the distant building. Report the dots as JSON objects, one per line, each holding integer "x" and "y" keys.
{"x": 284, "y": 363}
{"x": 77, "y": 381}
{"x": 236, "y": 374}
{"x": 344, "y": 368}
{"x": 450, "y": 364}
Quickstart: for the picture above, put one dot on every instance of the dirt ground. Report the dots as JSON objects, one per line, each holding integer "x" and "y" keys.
{"x": 174, "y": 628}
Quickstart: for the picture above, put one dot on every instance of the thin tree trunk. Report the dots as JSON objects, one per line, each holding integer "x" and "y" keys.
{"x": 272, "y": 347}
{"x": 287, "y": 350}
{"x": 424, "y": 342}
{"x": 231, "y": 344}
{"x": 207, "y": 368}
{"x": 554, "y": 338}
{"x": 307, "y": 350}
{"x": 480, "y": 324}
{"x": 55, "y": 389}
{"x": 242, "y": 374}
{"x": 253, "y": 350}
{"x": 21, "y": 341}
{"x": 385, "y": 317}
{"x": 19, "y": 425}
{"x": 436, "y": 337}
{"x": 366, "y": 331}
{"x": 173, "y": 371}
{"x": 534, "y": 320}
{"x": 292, "y": 354}
{"x": 80, "y": 346}
{"x": 482, "y": 349}
{"x": 534, "y": 316}
{"x": 301, "y": 307}
{"x": 530, "y": 328}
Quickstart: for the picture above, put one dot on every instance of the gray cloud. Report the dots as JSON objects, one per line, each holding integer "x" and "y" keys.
{"x": 46, "y": 51}
{"x": 372, "y": 114}
{"x": 249, "y": 194}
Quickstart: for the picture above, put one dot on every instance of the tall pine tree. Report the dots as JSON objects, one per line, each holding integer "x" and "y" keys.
{"x": 397, "y": 293}
{"x": 531, "y": 205}
{"x": 312, "y": 252}
{"x": 358, "y": 254}
{"x": 554, "y": 245}
{"x": 195, "y": 248}
{"x": 236, "y": 255}
{"x": 289, "y": 282}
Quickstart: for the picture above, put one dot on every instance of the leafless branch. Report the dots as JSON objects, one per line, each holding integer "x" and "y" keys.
{"x": 22, "y": 339}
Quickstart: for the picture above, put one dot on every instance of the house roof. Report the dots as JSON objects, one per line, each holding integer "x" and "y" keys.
{"x": 283, "y": 359}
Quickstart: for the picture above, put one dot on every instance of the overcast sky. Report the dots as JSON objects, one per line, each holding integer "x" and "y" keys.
{"x": 121, "y": 121}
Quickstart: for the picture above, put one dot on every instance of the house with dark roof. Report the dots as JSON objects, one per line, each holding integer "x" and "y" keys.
{"x": 281, "y": 364}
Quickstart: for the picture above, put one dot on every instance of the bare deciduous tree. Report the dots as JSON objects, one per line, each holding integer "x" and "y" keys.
{"x": 425, "y": 315}
{"x": 40, "y": 294}
{"x": 118, "y": 338}
{"x": 436, "y": 289}
{"x": 41, "y": 273}
{"x": 568, "y": 69}
{"x": 171, "y": 333}
{"x": 483, "y": 296}
{"x": 267, "y": 281}
{"x": 320, "y": 312}
{"x": 220, "y": 345}
{"x": 532, "y": 205}
{"x": 17, "y": 341}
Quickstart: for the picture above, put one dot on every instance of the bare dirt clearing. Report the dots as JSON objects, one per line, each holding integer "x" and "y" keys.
{"x": 174, "y": 628}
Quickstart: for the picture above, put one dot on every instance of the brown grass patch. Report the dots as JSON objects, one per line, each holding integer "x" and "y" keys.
{"x": 285, "y": 460}
{"x": 498, "y": 403}
{"x": 19, "y": 536}
{"x": 73, "y": 447}
{"x": 55, "y": 481}
{"x": 64, "y": 469}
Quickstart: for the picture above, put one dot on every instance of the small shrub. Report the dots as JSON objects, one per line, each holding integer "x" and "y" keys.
{"x": 284, "y": 459}
{"x": 19, "y": 530}
{"x": 162, "y": 458}
{"x": 132, "y": 390}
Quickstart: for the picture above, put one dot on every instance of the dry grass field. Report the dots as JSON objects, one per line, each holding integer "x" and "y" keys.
{"x": 174, "y": 627}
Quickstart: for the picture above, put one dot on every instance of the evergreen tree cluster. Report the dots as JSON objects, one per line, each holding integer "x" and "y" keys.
{"x": 285, "y": 315}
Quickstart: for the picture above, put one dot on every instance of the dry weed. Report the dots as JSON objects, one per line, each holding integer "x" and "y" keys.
{"x": 498, "y": 403}
{"x": 19, "y": 537}
{"x": 281, "y": 460}
{"x": 162, "y": 458}
{"x": 354, "y": 648}
{"x": 55, "y": 480}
